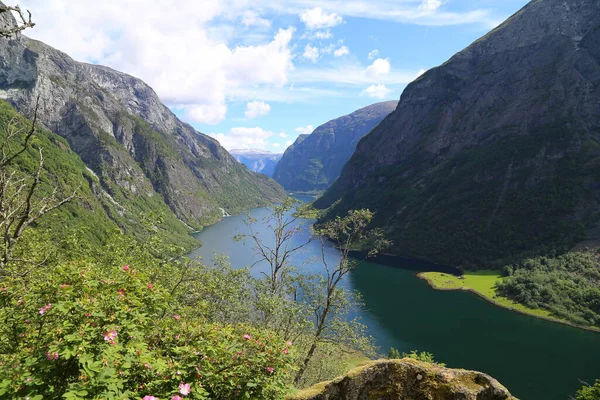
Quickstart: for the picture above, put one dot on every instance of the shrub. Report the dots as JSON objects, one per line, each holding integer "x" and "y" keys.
{"x": 80, "y": 331}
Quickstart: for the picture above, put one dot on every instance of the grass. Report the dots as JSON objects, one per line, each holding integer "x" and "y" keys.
{"x": 483, "y": 283}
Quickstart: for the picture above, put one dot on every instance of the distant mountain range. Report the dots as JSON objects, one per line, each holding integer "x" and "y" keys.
{"x": 494, "y": 155}
{"x": 314, "y": 161}
{"x": 260, "y": 161}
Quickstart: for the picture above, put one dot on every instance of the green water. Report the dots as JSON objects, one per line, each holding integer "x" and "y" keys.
{"x": 533, "y": 358}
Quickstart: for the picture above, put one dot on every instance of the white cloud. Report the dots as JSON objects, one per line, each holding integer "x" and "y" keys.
{"x": 316, "y": 18}
{"x": 284, "y": 135}
{"x": 323, "y": 35}
{"x": 373, "y": 54}
{"x": 342, "y": 51}
{"x": 276, "y": 145}
{"x": 210, "y": 114}
{"x": 311, "y": 53}
{"x": 381, "y": 66}
{"x": 430, "y": 5}
{"x": 305, "y": 130}
{"x": 190, "y": 65}
{"x": 244, "y": 138}
{"x": 252, "y": 18}
{"x": 378, "y": 91}
{"x": 256, "y": 109}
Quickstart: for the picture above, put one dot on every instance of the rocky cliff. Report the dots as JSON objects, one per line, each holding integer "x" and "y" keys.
{"x": 407, "y": 379}
{"x": 260, "y": 161}
{"x": 143, "y": 155}
{"x": 313, "y": 162}
{"x": 495, "y": 154}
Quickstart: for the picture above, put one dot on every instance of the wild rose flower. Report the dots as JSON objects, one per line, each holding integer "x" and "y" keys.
{"x": 247, "y": 337}
{"x": 52, "y": 356}
{"x": 125, "y": 268}
{"x": 150, "y": 398}
{"x": 111, "y": 335}
{"x": 45, "y": 308}
{"x": 286, "y": 351}
{"x": 184, "y": 388}
{"x": 177, "y": 397}
{"x": 270, "y": 370}
{"x": 150, "y": 286}
{"x": 176, "y": 316}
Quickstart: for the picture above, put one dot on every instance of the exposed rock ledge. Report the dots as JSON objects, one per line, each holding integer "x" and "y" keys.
{"x": 407, "y": 379}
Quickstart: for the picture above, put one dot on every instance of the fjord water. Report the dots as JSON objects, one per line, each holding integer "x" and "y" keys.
{"x": 533, "y": 358}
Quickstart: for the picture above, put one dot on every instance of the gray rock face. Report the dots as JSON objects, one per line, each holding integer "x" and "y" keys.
{"x": 314, "y": 161}
{"x": 495, "y": 153}
{"x": 122, "y": 131}
{"x": 407, "y": 380}
{"x": 260, "y": 161}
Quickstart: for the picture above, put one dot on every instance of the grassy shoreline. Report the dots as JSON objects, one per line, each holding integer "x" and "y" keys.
{"x": 482, "y": 283}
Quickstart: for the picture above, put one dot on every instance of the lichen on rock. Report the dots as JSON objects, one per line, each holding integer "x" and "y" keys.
{"x": 407, "y": 379}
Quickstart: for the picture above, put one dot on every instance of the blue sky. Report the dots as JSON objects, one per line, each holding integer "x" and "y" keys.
{"x": 255, "y": 74}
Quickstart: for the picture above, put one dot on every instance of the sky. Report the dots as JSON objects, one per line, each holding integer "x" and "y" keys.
{"x": 258, "y": 73}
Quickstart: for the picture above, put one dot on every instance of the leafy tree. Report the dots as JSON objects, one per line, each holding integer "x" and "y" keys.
{"x": 346, "y": 233}
{"x": 589, "y": 392}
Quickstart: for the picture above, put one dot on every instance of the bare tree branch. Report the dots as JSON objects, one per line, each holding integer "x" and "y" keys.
{"x": 25, "y": 22}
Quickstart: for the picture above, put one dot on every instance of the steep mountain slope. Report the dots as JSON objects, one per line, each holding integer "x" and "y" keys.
{"x": 315, "y": 161}
{"x": 260, "y": 161}
{"x": 496, "y": 153}
{"x": 143, "y": 155}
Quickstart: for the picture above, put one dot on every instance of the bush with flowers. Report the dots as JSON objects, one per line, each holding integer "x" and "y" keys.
{"x": 79, "y": 331}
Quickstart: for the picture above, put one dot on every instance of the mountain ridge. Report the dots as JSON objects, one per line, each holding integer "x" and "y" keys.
{"x": 314, "y": 161}
{"x": 491, "y": 156}
{"x": 141, "y": 152}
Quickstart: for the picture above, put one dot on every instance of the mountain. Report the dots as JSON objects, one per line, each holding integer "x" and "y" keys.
{"x": 260, "y": 161}
{"x": 313, "y": 162}
{"x": 144, "y": 157}
{"x": 495, "y": 154}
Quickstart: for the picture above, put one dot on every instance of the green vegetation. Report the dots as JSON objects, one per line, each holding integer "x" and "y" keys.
{"x": 567, "y": 286}
{"x": 480, "y": 208}
{"x": 415, "y": 355}
{"x": 485, "y": 284}
{"x": 589, "y": 392}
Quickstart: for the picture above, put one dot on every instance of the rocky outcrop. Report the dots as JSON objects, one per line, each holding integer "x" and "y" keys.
{"x": 313, "y": 162}
{"x": 495, "y": 154}
{"x": 260, "y": 161}
{"x": 407, "y": 379}
{"x": 138, "y": 148}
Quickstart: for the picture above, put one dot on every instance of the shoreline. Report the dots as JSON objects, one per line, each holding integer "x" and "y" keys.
{"x": 497, "y": 304}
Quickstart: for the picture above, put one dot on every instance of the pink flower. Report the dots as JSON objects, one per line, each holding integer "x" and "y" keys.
{"x": 286, "y": 351}
{"x": 150, "y": 286}
{"x": 64, "y": 286}
{"x": 178, "y": 372}
{"x": 111, "y": 335}
{"x": 176, "y": 316}
{"x": 126, "y": 268}
{"x": 184, "y": 388}
{"x": 44, "y": 309}
{"x": 150, "y": 398}
{"x": 247, "y": 337}
{"x": 177, "y": 397}
{"x": 52, "y": 356}
{"x": 289, "y": 344}
{"x": 270, "y": 370}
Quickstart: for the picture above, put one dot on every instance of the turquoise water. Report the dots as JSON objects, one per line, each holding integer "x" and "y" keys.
{"x": 533, "y": 358}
